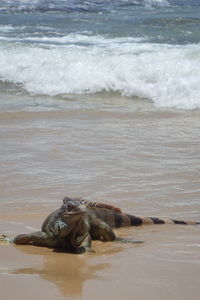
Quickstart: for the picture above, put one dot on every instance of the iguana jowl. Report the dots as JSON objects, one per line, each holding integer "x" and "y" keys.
{"x": 78, "y": 221}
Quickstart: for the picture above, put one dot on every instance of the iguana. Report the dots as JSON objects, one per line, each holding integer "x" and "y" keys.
{"x": 69, "y": 227}
{"x": 78, "y": 221}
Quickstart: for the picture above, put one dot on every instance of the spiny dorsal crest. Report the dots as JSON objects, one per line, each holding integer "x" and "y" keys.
{"x": 92, "y": 204}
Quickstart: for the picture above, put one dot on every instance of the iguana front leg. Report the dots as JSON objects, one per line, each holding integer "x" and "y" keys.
{"x": 80, "y": 244}
{"x": 85, "y": 245}
{"x": 38, "y": 238}
{"x": 101, "y": 231}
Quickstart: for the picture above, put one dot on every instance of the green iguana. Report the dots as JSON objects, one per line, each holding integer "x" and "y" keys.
{"x": 78, "y": 221}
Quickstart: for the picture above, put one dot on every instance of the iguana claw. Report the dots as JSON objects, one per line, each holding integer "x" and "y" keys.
{"x": 5, "y": 239}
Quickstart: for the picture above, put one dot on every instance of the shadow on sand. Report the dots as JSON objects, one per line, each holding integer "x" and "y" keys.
{"x": 67, "y": 271}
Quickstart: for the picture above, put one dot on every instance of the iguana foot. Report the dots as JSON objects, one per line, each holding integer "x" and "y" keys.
{"x": 131, "y": 241}
{"x": 82, "y": 249}
{"x": 5, "y": 239}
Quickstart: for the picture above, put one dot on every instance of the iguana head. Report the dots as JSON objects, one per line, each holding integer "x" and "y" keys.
{"x": 72, "y": 209}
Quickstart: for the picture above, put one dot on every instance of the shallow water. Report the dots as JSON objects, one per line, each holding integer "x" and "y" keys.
{"x": 144, "y": 150}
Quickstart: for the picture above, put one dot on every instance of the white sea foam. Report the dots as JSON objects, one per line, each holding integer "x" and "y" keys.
{"x": 161, "y": 3}
{"x": 168, "y": 75}
{"x": 6, "y": 28}
{"x": 80, "y": 39}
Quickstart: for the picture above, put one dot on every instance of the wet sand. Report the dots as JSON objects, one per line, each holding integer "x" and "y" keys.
{"x": 166, "y": 265}
{"x": 145, "y": 161}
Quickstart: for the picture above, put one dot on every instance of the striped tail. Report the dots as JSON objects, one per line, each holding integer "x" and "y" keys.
{"x": 117, "y": 219}
{"x": 123, "y": 220}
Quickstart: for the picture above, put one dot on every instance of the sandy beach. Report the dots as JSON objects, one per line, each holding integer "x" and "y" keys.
{"x": 144, "y": 161}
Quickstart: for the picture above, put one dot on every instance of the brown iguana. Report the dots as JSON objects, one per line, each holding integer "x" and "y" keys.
{"x": 78, "y": 221}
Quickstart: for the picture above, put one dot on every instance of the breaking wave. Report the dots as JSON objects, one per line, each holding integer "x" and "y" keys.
{"x": 168, "y": 75}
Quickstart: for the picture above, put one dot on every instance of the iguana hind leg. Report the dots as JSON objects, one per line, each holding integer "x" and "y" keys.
{"x": 101, "y": 231}
{"x": 38, "y": 238}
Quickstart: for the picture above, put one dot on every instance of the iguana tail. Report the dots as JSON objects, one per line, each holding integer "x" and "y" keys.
{"x": 114, "y": 217}
{"x": 116, "y": 220}
{"x": 137, "y": 221}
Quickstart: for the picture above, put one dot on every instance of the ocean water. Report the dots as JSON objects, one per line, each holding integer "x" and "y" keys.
{"x": 148, "y": 50}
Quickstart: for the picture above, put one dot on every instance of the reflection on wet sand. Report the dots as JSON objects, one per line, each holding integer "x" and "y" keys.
{"x": 68, "y": 271}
